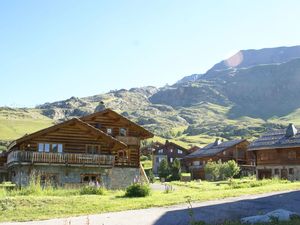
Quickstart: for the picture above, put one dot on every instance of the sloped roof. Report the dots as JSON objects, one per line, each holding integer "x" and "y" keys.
{"x": 93, "y": 131}
{"x": 145, "y": 133}
{"x": 214, "y": 148}
{"x": 281, "y": 138}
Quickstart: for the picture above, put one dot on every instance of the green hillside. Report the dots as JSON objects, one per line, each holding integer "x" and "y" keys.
{"x": 15, "y": 123}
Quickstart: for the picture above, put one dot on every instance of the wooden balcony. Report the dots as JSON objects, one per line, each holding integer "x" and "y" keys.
{"x": 27, "y": 157}
{"x": 129, "y": 140}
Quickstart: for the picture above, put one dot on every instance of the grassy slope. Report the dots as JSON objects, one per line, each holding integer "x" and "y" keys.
{"x": 16, "y": 123}
{"x": 64, "y": 203}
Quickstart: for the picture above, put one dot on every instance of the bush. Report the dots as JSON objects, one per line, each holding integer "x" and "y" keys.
{"x": 92, "y": 190}
{"x": 163, "y": 169}
{"x": 144, "y": 158}
{"x": 150, "y": 175}
{"x": 137, "y": 190}
{"x": 175, "y": 170}
{"x": 222, "y": 171}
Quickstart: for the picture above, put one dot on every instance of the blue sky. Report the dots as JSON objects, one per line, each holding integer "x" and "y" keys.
{"x": 52, "y": 50}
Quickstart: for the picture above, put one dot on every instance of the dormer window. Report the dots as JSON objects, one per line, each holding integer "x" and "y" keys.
{"x": 160, "y": 151}
{"x": 179, "y": 151}
{"x": 109, "y": 131}
{"x": 123, "y": 132}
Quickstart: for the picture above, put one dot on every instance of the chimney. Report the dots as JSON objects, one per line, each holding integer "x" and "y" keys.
{"x": 217, "y": 142}
{"x": 291, "y": 130}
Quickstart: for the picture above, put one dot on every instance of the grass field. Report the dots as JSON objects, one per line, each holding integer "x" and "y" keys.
{"x": 63, "y": 203}
{"x": 14, "y": 123}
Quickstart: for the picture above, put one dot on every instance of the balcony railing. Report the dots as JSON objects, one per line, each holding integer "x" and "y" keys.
{"x": 59, "y": 158}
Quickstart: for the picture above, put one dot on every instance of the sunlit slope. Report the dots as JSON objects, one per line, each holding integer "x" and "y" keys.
{"x": 15, "y": 123}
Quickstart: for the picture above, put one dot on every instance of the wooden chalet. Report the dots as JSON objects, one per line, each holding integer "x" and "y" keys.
{"x": 102, "y": 147}
{"x": 224, "y": 151}
{"x": 168, "y": 151}
{"x": 277, "y": 154}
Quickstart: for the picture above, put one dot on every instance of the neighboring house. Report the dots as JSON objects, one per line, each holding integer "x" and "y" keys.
{"x": 169, "y": 151}
{"x": 102, "y": 147}
{"x": 224, "y": 151}
{"x": 278, "y": 154}
{"x": 148, "y": 150}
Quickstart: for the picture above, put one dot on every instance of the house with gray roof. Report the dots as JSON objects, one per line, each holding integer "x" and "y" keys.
{"x": 278, "y": 154}
{"x": 218, "y": 151}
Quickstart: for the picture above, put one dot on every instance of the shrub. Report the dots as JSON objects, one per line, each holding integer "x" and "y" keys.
{"x": 143, "y": 158}
{"x": 92, "y": 190}
{"x": 137, "y": 190}
{"x": 222, "y": 171}
{"x": 175, "y": 170}
{"x": 230, "y": 169}
{"x": 163, "y": 169}
{"x": 150, "y": 175}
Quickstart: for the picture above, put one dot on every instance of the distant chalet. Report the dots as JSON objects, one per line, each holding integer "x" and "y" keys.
{"x": 101, "y": 148}
{"x": 220, "y": 151}
{"x": 278, "y": 154}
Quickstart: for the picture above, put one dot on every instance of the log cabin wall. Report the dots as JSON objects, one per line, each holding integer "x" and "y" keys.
{"x": 107, "y": 121}
{"x": 73, "y": 138}
{"x": 279, "y": 156}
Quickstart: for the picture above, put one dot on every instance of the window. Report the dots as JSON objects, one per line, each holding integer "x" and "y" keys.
{"x": 109, "y": 131}
{"x": 41, "y": 147}
{"x": 292, "y": 155}
{"x": 291, "y": 171}
{"x": 54, "y": 147}
{"x": 46, "y": 147}
{"x": 179, "y": 151}
{"x": 60, "y": 148}
{"x": 160, "y": 151}
{"x": 93, "y": 149}
{"x": 123, "y": 132}
{"x": 224, "y": 153}
{"x": 171, "y": 160}
{"x": 276, "y": 171}
{"x": 171, "y": 150}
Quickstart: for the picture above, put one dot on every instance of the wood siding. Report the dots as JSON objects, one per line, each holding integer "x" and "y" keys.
{"x": 280, "y": 156}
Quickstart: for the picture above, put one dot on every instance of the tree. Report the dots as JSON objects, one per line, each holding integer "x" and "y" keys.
{"x": 212, "y": 169}
{"x": 163, "y": 169}
{"x": 175, "y": 170}
{"x": 231, "y": 169}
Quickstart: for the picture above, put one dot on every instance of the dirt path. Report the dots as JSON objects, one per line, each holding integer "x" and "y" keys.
{"x": 210, "y": 211}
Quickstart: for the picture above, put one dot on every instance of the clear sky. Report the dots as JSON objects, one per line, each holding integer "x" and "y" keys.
{"x": 51, "y": 50}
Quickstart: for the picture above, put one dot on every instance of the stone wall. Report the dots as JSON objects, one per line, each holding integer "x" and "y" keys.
{"x": 111, "y": 178}
{"x": 120, "y": 178}
{"x": 294, "y": 176}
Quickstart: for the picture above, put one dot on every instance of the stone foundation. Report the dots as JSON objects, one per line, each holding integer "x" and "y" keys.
{"x": 111, "y": 178}
{"x": 290, "y": 176}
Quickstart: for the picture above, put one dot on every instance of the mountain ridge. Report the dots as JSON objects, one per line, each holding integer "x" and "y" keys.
{"x": 243, "y": 100}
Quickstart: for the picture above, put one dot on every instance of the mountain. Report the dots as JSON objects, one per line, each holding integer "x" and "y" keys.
{"x": 245, "y": 95}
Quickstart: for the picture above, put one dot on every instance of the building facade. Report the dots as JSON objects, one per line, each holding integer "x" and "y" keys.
{"x": 168, "y": 151}
{"x": 102, "y": 147}
{"x": 220, "y": 151}
{"x": 278, "y": 154}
